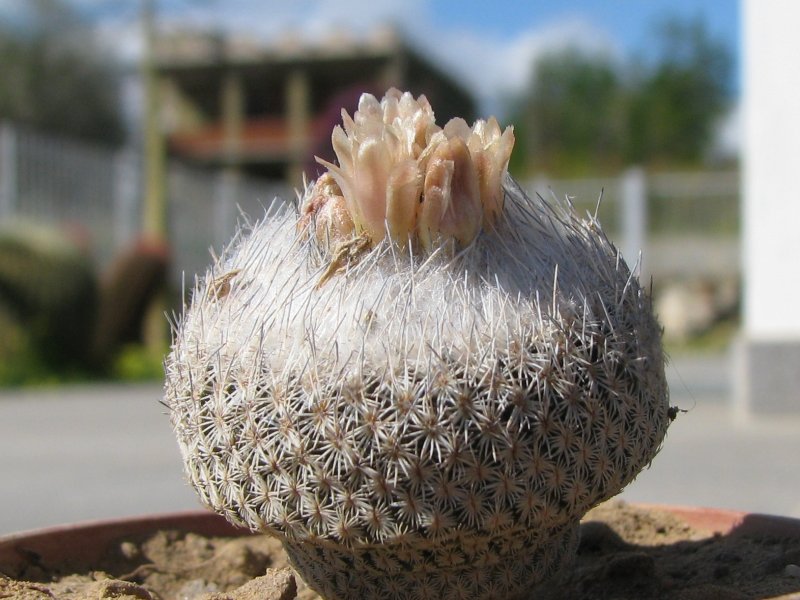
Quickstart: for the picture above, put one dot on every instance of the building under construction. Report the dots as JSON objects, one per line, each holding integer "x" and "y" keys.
{"x": 268, "y": 109}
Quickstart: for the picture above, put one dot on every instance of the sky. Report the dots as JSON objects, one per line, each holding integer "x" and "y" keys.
{"x": 487, "y": 46}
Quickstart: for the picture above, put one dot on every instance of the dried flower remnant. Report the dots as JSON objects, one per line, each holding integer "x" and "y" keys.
{"x": 400, "y": 173}
{"x": 411, "y": 421}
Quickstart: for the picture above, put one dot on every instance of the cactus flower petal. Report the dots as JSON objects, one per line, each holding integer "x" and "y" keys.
{"x": 389, "y": 147}
{"x": 438, "y": 179}
{"x": 403, "y": 191}
{"x": 371, "y": 166}
{"x": 452, "y": 180}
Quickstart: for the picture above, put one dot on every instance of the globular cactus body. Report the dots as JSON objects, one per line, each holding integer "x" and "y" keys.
{"x": 425, "y": 414}
{"x": 126, "y": 292}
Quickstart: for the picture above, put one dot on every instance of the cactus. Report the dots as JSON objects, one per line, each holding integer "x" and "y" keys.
{"x": 422, "y": 382}
{"x": 49, "y": 284}
{"x": 127, "y": 289}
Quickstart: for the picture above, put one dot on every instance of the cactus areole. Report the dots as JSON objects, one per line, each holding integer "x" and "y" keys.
{"x": 423, "y": 380}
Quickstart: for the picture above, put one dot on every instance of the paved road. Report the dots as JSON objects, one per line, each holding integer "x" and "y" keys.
{"x": 84, "y": 453}
{"x": 715, "y": 456}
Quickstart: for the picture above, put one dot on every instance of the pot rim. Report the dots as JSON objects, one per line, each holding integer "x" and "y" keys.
{"x": 724, "y": 521}
{"x": 57, "y": 543}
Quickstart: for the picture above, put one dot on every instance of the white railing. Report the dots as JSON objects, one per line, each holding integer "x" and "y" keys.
{"x": 684, "y": 223}
{"x": 96, "y": 193}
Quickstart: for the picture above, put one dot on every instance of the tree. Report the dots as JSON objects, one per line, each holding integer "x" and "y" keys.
{"x": 583, "y": 112}
{"x": 675, "y": 104}
{"x": 572, "y": 117}
{"x": 56, "y": 76}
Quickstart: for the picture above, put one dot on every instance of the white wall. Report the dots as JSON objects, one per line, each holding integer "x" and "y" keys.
{"x": 768, "y": 375}
{"x": 771, "y": 169}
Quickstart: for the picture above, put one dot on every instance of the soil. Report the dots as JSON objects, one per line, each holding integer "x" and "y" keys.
{"x": 626, "y": 552}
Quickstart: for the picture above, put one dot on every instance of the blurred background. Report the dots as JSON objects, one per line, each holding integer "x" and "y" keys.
{"x": 136, "y": 134}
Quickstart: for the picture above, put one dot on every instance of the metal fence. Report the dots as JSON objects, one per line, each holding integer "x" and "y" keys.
{"x": 685, "y": 223}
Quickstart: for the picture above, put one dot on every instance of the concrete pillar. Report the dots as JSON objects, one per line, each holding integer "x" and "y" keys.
{"x": 228, "y": 181}
{"x": 394, "y": 72}
{"x": 233, "y": 109}
{"x": 125, "y": 196}
{"x": 298, "y": 120}
{"x": 633, "y": 217}
{"x": 769, "y": 373}
{"x": 226, "y": 199}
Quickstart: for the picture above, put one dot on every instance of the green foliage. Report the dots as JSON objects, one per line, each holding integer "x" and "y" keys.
{"x": 19, "y": 361}
{"x": 48, "y": 287}
{"x": 573, "y": 118}
{"x": 674, "y": 107}
{"x": 56, "y": 76}
{"x": 136, "y": 362}
{"x": 585, "y": 113}
{"x": 58, "y": 324}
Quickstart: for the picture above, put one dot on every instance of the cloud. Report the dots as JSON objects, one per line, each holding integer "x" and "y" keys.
{"x": 266, "y": 20}
{"x": 494, "y": 68}
{"x": 272, "y": 18}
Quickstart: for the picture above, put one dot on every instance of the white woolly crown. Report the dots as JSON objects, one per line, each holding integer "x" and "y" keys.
{"x": 393, "y": 306}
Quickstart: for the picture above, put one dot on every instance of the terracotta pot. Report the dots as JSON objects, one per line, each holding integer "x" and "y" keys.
{"x": 86, "y": 542}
